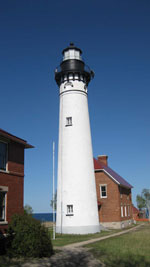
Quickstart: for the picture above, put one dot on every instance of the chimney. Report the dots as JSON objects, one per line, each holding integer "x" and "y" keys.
{"x": 103, "y": 159}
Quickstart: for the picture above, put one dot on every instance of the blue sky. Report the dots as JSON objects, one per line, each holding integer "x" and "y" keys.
{"x": 115, "y": 39}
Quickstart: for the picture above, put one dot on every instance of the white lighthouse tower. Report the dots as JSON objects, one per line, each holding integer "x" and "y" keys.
{"x": 77, "y": 211}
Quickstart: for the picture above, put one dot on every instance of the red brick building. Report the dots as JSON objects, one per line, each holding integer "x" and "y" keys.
{"x": 135, "y": 212}
{"x": 11, "y": 176}
{"x": 113, "y": 195}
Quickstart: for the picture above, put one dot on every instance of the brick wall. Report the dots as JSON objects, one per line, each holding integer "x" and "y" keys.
{"x": 126, "y": 201}
{"x": 14, "y": 201}
{"x": 13, "y": 178}
{"x": 110, "y": 207}
{"x": 16, "y": 158}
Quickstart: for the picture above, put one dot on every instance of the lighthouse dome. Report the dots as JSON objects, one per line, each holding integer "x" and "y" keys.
{"x": 73, "y": 66}
{"x": 72, "y": 52}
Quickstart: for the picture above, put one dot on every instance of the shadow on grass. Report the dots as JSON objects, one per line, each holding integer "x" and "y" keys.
{"x": 69, "y": 257}
{"x": 74, "y": 257}
{"x": 5, "y": 262}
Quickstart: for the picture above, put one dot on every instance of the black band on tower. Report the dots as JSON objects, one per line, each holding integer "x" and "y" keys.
{"x": 74, "y": 68}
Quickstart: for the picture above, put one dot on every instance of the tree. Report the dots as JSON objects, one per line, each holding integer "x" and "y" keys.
{"x": 55, "y": 201}
{"x": 28, "y": 209}
{"x": 143, "y": 200}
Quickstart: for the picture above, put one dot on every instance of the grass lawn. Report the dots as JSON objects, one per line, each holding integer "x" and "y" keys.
{"x": 129, "y": 250}
{"x": 62, "y": 239}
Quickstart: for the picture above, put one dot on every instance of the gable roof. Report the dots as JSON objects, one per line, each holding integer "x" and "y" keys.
{"x": 14, "y": 138}
{"x": 99, "y": 166}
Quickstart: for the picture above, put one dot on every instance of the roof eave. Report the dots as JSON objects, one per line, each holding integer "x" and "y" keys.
{"x": 28, "y": 146}
{"x": 97, "y": 170}
{"x": 14, "y": 138}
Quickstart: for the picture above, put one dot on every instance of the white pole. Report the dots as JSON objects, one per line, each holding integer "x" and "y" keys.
{"x": 53, "y": 190}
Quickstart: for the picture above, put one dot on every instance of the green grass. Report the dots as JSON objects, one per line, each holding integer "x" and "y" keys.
{"x": 128, "y": 250}
{"x": 62, "y": 239}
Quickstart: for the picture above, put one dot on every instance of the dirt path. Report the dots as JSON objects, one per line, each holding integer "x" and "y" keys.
{"x": 73, "y": 255}
{"x": 83, "y": 243}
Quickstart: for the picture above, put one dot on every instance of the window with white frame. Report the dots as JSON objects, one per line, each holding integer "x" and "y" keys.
{"x": 128, "y": 210}
{"x": 103, "y": 191}
{"x": 121, "y": 211}
{"x": 125, "y": 211}
{"x": 2, "y": 206}
{"x": 68, "y": 121}
{"x": 3, "y": 156}
{"x": 69, "y": 209}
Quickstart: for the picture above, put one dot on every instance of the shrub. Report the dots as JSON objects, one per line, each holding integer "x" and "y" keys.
{"x": 2, "y": 244}
{"x": 28, "y": 238}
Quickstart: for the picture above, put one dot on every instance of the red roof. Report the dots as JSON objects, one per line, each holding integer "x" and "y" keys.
{"x": 15, "y": 139}
{"x": 115, "y": 176}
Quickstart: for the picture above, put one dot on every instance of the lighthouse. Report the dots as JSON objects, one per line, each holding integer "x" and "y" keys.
{"x": 77, "y": 211}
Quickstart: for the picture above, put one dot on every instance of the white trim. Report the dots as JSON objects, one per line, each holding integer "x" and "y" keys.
{"x": 3, "y": 222}
{"x": 125, "y": 210}
{"x": 111, "y": 176}
{"x": 96, "y": 170}
{"x": 5, "y": 205}
{"x": 3, "y": 188}
{"x": 3, "y": 171}
{"x": 101, "y": 190}
{"x": 122, "y": 213}
{"x": 128, "y": 209}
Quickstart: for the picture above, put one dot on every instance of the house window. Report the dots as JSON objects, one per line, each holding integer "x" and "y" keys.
{"x": 128, "y": 210}
{"x": 69, "y": 121}
{"x": 69, "y": 209}
{"x": 2, "y": 205}
{"x": 103, "y": 191}
{"x": 125, "y": 211}
{"x": 121, "y": 211}
{"x": 3, "y": 156}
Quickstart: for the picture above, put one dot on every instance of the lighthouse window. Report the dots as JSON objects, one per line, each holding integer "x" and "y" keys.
{"x": 69, "y": 209}
{"x": 69, "y": 121}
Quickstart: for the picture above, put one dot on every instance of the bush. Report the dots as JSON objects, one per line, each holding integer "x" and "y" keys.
{"x": 28, "y": 238}
{"x": 2, "y": 244}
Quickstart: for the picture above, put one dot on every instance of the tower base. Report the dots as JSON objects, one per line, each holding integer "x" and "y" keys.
{"x": 80, "y": 230}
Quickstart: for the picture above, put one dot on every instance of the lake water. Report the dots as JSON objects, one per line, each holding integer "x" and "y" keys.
{"x": 44, "y": 217}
